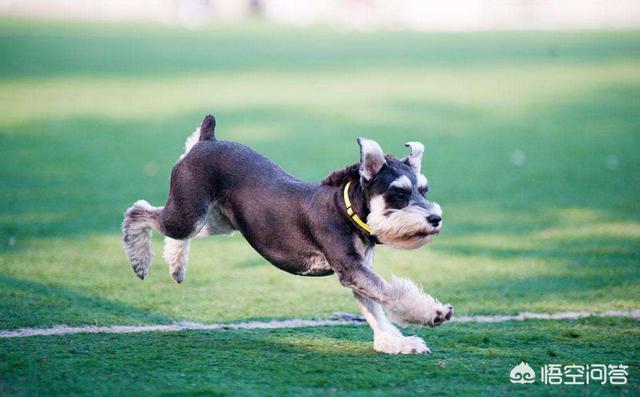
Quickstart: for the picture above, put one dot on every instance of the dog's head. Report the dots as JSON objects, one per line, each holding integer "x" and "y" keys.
{"x": 400, "y": 215}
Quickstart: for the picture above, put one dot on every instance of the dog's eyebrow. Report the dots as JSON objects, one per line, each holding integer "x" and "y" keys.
{"x": 402, "y": 182}
{"x": 422, "y": 181}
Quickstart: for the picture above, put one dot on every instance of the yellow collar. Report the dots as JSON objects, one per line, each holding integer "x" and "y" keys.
{"x": 350, "y": 211}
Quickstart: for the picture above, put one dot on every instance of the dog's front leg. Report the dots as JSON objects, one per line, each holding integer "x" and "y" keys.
{"x": 403, "y": 300}
{"x": 386, "y": 337}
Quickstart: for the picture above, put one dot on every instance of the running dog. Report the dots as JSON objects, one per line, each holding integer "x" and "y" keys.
{"x": 308, "y": 229}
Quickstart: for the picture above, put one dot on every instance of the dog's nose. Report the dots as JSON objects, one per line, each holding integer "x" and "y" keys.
{"x": 434, "y": 220}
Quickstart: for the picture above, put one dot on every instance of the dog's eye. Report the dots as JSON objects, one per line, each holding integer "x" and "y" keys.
{"x": 401, "y": 194}
{"x": 423, "y": 190}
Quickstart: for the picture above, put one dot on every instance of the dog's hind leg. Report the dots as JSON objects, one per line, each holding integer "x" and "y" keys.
{"x": 184, "y": 215}
{"x": 176, "y": 254}
{"x": 139, "y": 219}
{"x": 179, "y": 225}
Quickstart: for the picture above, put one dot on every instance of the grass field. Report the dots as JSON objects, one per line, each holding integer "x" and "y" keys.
{"x": 532, "y": 150}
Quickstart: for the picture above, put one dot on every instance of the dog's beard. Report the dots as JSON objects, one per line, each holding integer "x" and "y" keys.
{"x": 405, "y": 228}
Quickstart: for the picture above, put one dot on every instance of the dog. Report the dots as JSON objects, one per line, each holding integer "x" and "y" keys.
{"x": 308, "y": 229}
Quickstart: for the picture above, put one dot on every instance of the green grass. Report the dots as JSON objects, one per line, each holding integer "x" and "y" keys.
{"x": 469, "y": 360}
{"x": 94, "y": 116}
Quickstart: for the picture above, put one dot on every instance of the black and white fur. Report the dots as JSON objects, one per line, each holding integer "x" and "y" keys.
{"x": 302, "y": 228}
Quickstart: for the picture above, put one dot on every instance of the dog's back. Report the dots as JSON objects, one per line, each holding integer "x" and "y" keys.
{"x": 226, "y": 186}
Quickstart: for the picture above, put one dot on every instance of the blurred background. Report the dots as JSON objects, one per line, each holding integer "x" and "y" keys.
{"x": 529, "y": 111}
{"x": 418, "y": 15}
{"x": 530, "y": 114}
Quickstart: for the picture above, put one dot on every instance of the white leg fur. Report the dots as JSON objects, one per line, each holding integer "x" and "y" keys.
{"x": 386, "y": 337}
{"x": 410, "y": 305}
{"x": 136, "y": 229}
{"x": 176, "y": 254}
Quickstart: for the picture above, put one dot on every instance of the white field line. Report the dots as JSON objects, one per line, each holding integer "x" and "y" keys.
{"x": 545, "y": 316}
{"x": 341, "y": 319}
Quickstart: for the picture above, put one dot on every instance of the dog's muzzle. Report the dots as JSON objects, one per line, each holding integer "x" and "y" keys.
{"x": 434, "y": 220}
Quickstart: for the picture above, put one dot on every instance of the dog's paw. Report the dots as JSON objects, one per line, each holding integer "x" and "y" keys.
{"x": 140, "y": 265}
{"x": 443, "y": 313}
{"x": 178, "y": 275}
{"x": 398, "y": 344}
{"x": 139, "y": 258}
{"x": 141, "y": 272}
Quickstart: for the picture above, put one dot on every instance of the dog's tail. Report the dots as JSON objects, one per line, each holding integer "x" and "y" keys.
{"x": 206, "y": 132}
{"x": 207, "y": 128}
{"x": 138, "y": 221}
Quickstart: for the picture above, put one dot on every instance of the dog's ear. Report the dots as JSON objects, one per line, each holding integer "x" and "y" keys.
{"x": 371, "y": 158}
{"x": 414, "y": 159}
